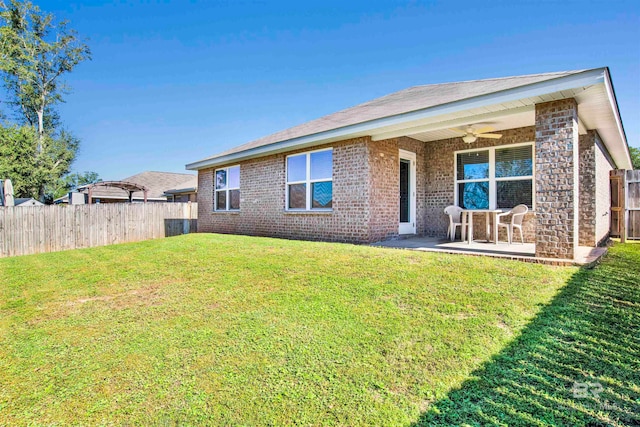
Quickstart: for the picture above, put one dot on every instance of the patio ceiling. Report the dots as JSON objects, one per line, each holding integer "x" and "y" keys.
{"x": 592, "y": 103}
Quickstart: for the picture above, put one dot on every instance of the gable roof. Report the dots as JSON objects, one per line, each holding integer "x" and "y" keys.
{"x": 26, "y": 201}
{"x": 155, "y": 182}
{"x": 407, "y": 105}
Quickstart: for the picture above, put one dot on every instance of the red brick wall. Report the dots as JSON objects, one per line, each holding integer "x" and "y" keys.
{"x": 366, "y": 190}
{"x": 557, "y": 180}
{"x": 262, "y": 199}
{"x": 384, "y": 189}
{"x": 604, "y": 165}
{"x": 587, "y": 207}
{"x": 365, "y": 196}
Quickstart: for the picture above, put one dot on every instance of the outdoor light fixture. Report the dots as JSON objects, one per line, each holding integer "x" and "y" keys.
{"x": 471, "y": 133}
{"x": 469, "y": 138}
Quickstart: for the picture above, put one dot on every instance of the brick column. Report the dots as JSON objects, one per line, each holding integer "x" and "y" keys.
{"x": 588, "y": 185}
{"x": 557, "y": 179}
{"x": 205, "y": 200}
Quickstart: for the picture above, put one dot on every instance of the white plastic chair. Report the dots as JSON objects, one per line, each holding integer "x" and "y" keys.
{"x": 517, "y": 215}
{"x": 455, "y": 220}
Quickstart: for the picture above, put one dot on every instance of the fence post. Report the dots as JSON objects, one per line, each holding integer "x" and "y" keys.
{"x": 623, "y": 201}
{"x": 186, "y": 222}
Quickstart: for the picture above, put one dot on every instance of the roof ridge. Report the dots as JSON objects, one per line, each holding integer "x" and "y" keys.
{"x": 409, "y": 99}
{"x": 175, "y": 173}
{"x": 434, "y": 85}
{"x": 497, "y": 78}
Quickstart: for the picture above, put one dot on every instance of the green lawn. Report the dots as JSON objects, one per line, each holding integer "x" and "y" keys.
{"x": 232, "y": 330}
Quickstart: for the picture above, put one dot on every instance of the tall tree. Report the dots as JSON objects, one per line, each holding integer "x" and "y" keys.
{"x": 35, "y": 52}
{"x": 17, "y": 151}
{"x": 71, "y": 182}
{"x": 635, "y": 157}
{"x": 16, "y": 154}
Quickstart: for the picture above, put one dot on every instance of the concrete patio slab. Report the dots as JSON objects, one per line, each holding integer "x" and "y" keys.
{"x": 585, "y": 256}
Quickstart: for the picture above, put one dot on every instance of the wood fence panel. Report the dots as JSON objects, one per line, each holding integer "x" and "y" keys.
{"x": 634, "y": 195}
{"x": 633, "y": 230}
{"x": 38, "y": 229}
{"x": 633, "y": 204}
{"x": 625, "y": 204}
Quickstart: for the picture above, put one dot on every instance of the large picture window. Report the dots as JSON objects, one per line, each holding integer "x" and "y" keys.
{"x": 227, "y": 189}
{"x": 496, "y": 177}
{"x": 310, "y": 181}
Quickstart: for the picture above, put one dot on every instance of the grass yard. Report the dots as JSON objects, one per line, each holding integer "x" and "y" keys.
{"x": 232, "y": 330}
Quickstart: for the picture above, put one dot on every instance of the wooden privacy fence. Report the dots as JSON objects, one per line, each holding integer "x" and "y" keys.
{"x": 625, "y": 204}
{"x": 37, "y": 229}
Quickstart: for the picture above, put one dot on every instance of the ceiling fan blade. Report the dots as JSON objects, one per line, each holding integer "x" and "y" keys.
{"x": 458, "y": 131}
{"x": 483, "y": 129}
{"x": 489, "y": 135}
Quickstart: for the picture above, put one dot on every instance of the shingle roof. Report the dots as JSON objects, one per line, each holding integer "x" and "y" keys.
{"x": 404, "y": 101}
{"x": 21, "y": 200}
{"x": 156, "y": 182}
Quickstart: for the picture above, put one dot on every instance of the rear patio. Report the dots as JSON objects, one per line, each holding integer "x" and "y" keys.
{"x": 585, "y": 255}
{"x": 386, "y": 169}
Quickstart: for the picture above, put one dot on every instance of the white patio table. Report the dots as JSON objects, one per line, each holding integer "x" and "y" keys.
{"x": 490, "y": 215}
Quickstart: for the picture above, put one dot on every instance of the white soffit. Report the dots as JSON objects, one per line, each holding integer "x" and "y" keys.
{"x": 508, "y": 115}
{"x": 598, "y": 110}
{"x": 595, "y": 110}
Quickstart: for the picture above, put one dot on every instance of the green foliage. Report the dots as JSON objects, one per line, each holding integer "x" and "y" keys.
{"x": 29, "y": 170}
{"x": 277, "y": 332}
{"x": 35, "y": 52}
{"x": 17, "y": 152}
{"x": 576, "y": 364}
{"x": 71, "y": 182}
{"x": 635, "y": 157}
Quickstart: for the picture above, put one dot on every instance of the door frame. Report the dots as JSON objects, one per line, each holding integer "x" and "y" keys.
{"x": 408, "y": 227}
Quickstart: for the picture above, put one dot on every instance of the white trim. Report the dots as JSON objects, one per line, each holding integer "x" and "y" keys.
{"x": 517, "y": 144}
{"x": 614, "y": 106}
{"x": 307, "y": 181}
{"x": 492, "y": 179}
{"x": 409, "y": 227}
{"x": 558, "y": 84}
{"x": 227, "y": 189}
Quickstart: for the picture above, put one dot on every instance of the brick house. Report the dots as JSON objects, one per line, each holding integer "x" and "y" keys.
{"x": 390, "y": 166}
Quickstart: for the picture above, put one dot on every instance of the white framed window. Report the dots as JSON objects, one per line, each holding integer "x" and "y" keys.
{"x": 227, "y": 189}
{"x": 310, "y": 181}
{"x": 496, "y": 177}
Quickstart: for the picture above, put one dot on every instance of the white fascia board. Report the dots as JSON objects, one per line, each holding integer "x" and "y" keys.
{"x": 621, "y": 156}
{"x": 181, "y": 190}
{"x": 157, "y": 199}
{"x": 583, "y": 79}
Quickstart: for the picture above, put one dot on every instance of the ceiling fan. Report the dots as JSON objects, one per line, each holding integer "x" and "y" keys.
{"x": 470, "y": 134}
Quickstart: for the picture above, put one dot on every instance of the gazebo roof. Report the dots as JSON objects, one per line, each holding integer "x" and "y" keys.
{"x": 129, "y": 187}
{"x": 124, "y": 185}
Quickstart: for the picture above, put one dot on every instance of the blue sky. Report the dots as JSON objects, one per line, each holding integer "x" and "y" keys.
{"x": 175, "y": 81}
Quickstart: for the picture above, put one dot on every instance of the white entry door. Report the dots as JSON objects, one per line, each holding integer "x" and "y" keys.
{"x": 407, "y": 192}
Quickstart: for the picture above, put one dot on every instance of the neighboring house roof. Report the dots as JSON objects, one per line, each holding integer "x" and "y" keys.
{"x": 27, "y": 201}
{"x": 182, "y": 190}
{"x": 427, "y": 111}
{"x": 155, "y": 182}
